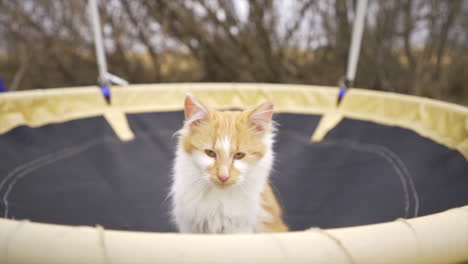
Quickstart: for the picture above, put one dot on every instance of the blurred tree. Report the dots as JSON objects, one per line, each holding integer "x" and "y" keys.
{"x": 410, "y": 46}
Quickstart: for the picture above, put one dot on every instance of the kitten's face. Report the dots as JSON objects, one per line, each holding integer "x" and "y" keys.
{"x": 225, "y": 146}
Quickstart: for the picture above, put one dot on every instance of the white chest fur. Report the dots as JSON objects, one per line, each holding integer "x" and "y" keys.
{"x": 201, "y": 207}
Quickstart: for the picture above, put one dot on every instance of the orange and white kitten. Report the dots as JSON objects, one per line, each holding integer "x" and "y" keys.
{"x": 221, "y": 171}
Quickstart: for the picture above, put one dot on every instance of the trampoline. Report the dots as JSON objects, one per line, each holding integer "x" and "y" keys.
{"x": 393, "y": 163}
{"x": 362, "y": 176}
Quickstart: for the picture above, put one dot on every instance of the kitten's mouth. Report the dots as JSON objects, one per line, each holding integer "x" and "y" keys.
{"x": 221, "y": 184}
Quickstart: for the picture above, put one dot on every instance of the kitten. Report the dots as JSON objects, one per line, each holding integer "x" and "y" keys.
{"x": 221, "y": 171}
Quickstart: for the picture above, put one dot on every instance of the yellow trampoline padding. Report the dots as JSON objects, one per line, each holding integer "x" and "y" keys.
{"x": 444, "y": 123}
{"x": 169, "y": 97}
{"x": 40, "y": 107}
{"x": 437, "y": 238}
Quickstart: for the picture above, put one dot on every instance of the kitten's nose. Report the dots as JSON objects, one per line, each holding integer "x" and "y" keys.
{"x": 223, "y": 178}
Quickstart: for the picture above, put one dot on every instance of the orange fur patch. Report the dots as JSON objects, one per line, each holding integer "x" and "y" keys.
{"x": 235, "y": 127}
{"x": 271, "y": 205}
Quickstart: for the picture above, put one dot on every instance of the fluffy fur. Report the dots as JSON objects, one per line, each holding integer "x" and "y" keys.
{"x": 221, "y": 170}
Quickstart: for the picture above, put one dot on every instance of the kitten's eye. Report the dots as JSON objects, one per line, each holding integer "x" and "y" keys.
{"x": 210, "y": 153}
{"x": 239, "y": 155}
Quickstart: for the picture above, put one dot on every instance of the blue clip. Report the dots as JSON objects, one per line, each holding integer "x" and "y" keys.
{"x": 2, "y": 86}
{"x": 105, "y": 91}
{"x": 341, "y": 94}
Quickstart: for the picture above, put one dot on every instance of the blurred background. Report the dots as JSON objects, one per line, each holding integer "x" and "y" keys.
{"x": 415, "y": 47}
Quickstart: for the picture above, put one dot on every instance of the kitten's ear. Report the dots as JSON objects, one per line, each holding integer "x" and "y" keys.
{"x": 194, "y": 110}
{"x": 261, "y": 116}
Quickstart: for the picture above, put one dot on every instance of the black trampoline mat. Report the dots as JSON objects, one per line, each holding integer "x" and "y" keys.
{"x": 80, "y": 173}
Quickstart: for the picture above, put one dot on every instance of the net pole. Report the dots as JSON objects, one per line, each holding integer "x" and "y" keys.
{"x": 358, "y": 29}
{"x": 98, "y": 43}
